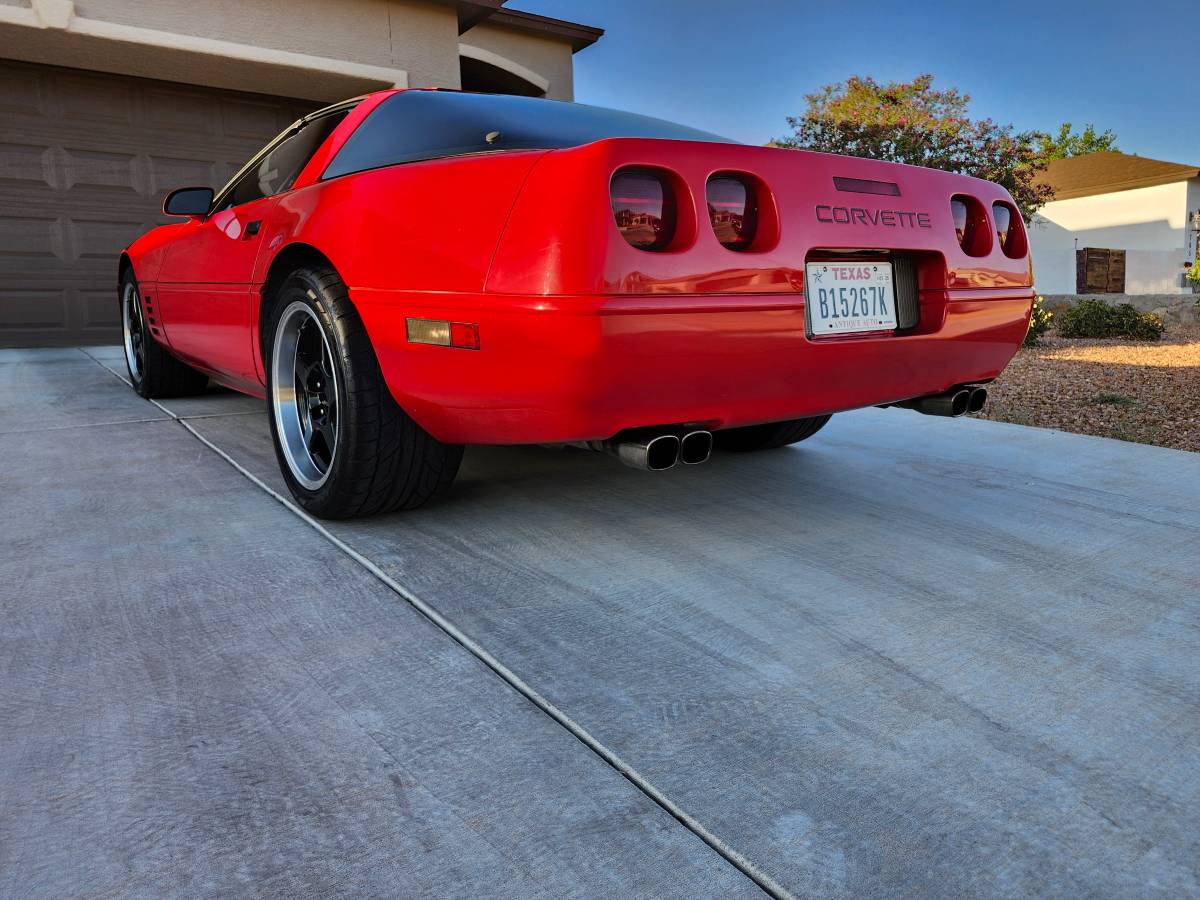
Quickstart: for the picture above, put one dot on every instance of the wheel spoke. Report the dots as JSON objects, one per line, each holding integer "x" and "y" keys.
{"x": 307, "y": 420}
{"x": 326, "y": 362}
{"x": 134, "y": 331}
{"x": 307, "y": 426}
{"x": 328, "y": 440}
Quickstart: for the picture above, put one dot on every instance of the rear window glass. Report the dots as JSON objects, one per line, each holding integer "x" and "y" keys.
{"x": 417, "y": 125}
{"x": 278, "y": 170}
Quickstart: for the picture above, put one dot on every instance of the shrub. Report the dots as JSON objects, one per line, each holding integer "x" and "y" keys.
{"x": 1039, "y": 322}
{"x": 1091, "y": 318}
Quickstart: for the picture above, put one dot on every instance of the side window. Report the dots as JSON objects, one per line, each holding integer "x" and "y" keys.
{"x": 277, "y": 171}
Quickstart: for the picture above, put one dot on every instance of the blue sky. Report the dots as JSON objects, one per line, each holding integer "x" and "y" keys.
{"x": 739, "y": 67}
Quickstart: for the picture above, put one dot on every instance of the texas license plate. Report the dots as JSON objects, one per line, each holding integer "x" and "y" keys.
{"x": 845, "y": 298}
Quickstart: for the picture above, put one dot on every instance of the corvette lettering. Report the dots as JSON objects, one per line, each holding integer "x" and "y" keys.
{"x": 858, "y": 215}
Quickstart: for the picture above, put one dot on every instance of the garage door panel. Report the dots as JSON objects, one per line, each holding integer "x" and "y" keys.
{"x": 104, "y": 239}
{"x": 100, "y": 310}
{"x": 182, "y": 113}
{"x": 86, "y": 98}
{"x": 21, "y": 91}
{"x": 252, "y": 121}
{"x": 101, "y": 169}
{"x": 44, "y": 203}
{"x": 26, "y": 238}
{"x": 85, "y": 162}
{"x": 29, "y": 163}
{"x": 25, "y": 310}
{"x": 168, "y": 173}
{"x": 41, "y": 244}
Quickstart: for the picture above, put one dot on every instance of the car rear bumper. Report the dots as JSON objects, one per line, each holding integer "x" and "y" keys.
{"x": 553, "y": 369}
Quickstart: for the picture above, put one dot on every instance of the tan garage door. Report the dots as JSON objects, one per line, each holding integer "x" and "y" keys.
{"x": 85, "y": 160}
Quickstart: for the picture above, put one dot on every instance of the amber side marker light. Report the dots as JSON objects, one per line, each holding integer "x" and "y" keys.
{"x": 462, "y": 335}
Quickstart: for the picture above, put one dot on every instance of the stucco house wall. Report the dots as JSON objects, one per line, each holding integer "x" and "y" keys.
{"x": 313, "y": 49}
{"x": 1150, "y": 224}
{"x": 411, "y": 35}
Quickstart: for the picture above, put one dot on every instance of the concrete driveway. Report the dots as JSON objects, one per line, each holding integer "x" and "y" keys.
{"x": 911, "y": 656}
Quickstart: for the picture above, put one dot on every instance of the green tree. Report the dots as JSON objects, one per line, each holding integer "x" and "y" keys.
{"x": 912, "y": 122}
{"x": 1067, "y": 143}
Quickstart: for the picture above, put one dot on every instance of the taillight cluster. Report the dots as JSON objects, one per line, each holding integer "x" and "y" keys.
{"x": 732, "y": 210}
{"x": 970, "y": 225}
{"x": 652, "y": 211}
{"x": 1009, "y": 233}
{"x": 643, "y": 203}
{"x": 974, "y": 234}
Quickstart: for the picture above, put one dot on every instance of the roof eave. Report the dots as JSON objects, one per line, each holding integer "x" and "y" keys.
{"x": 1129, "y": 185}
{"x": 579, "y": 36}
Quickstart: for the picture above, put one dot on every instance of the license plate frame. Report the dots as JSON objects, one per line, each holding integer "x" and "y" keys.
{"x": 850, "y": 298}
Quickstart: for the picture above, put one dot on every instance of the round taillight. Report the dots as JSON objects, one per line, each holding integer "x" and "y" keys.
{"x": 1003, "y": 220}
{"x": 963, "y": 225}
{"x": 969, "y": 227}
{"x": 732, "y": 210}
{"x": 1008, "y": 230}
{"x": 643, "y": 206}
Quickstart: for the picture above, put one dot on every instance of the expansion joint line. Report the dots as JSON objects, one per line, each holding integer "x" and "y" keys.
{"x": 511, "y": 678}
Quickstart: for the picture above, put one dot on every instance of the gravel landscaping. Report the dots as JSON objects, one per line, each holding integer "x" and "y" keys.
{"x": 1134, "y": 391}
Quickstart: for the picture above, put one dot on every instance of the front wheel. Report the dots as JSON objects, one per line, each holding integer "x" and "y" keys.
{"x": 770, "y": 436}
{"x": 345, "y": 447}
{"x": 153, "y": 372}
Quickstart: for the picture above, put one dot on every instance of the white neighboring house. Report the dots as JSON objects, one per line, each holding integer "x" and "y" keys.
{"x": 1147, "y": 208}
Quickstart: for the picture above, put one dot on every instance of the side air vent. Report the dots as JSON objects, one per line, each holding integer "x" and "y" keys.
{"x": 908, "y": 301}
{"x": 150, "y": 319}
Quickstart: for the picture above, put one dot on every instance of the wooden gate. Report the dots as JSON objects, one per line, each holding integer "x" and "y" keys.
{"x": 1099, "y": 271}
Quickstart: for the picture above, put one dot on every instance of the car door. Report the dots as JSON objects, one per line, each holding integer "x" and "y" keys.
{"x": 204, "y": 289}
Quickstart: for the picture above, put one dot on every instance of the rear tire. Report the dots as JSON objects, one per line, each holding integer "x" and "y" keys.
{"x": 344, "y": 445}
{"x": 770, "y": 436}
{"x": 153, "y": 372}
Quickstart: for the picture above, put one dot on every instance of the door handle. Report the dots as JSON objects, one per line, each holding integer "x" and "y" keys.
{"x": 251, "y": 229}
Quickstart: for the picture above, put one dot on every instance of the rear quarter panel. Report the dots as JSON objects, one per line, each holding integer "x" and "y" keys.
{"x": 422, "y": 226}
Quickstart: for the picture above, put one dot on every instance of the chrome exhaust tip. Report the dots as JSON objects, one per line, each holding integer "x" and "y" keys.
{"x": 959, "y": 403}
{"x": 656, "y": 454}
{"x": 953, "y": 403}
{"x": 695, "y": 447}
{"x": 977, "y": 399}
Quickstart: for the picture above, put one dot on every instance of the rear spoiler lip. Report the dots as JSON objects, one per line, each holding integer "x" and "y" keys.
{"x": 740, "y": 148}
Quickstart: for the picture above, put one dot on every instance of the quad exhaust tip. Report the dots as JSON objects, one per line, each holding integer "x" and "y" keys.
{"x": 695, "y": 447}
{"x": 655, "y": 454}
{"x": 653, "y": 450}
{"x": 953, "y": 403}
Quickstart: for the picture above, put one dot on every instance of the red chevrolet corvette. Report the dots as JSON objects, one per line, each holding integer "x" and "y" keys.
{"x": 412, "y": 271}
